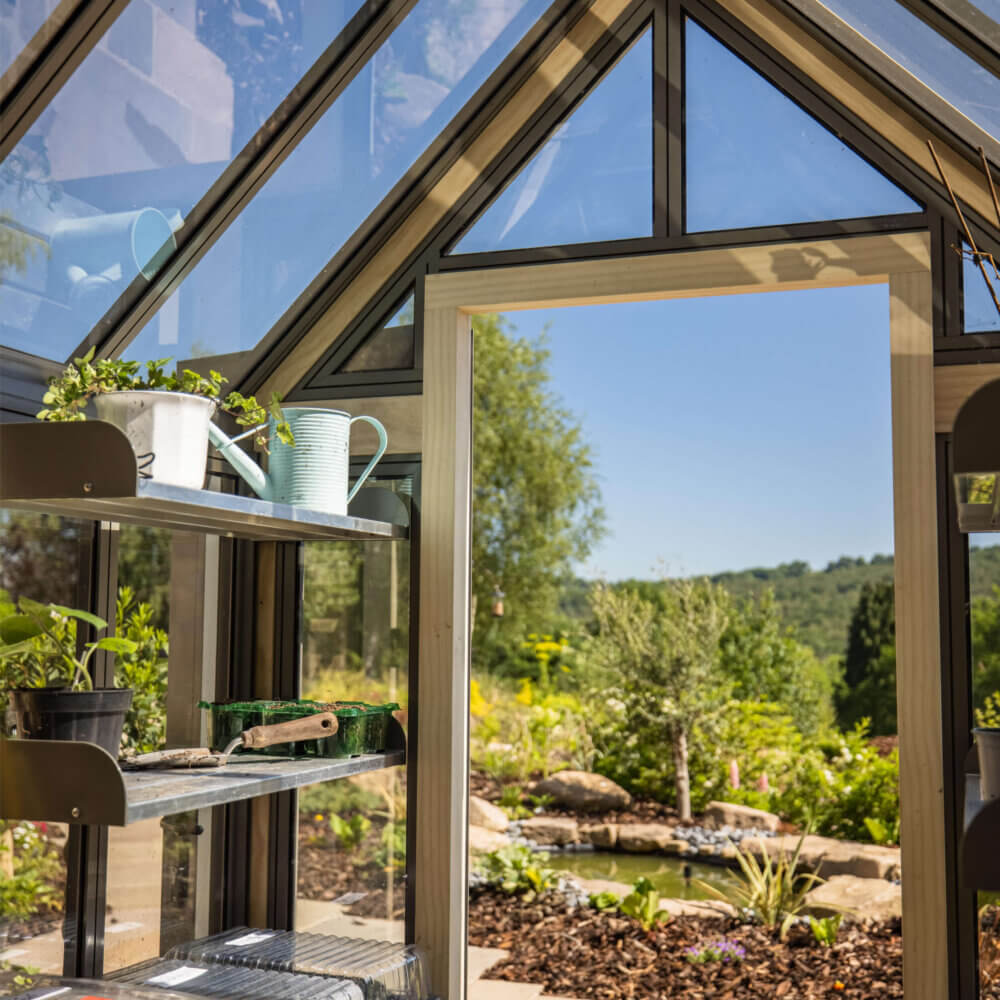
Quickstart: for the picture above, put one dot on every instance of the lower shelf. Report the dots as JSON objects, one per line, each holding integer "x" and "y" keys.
{"x": 57, "y": 781}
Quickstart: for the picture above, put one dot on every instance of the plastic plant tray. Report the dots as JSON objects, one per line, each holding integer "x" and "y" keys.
{"x": 384, "y": 970}
{"x": 44, "y": 987}
{"x": 227, "y": 982}
{"x": 361, "y": 728}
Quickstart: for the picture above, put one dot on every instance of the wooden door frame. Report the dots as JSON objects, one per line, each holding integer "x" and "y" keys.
{"x": 900, "y": 261}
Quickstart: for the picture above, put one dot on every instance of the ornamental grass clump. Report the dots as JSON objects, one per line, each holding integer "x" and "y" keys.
{"x": 772, "y": 893}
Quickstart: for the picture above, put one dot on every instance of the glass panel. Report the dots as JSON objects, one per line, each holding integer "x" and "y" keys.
{"x": 978, "y": 310}
{"x": 984, "y": 614}
{"x": 19, "y": 21}
{"x": 387, "y": 116}
{"x": 390, "y": 348}
{"x": 593, "y": 180}
{"x": 755, "y": 158}
{"x": 991, "y": 8}
{"x": 930, "y": 57}
{"x": 352, "y": 834}
{"x": 91, "y": 196}
{"x": 39, "y": 558}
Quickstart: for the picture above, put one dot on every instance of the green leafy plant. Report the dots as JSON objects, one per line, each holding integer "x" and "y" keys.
{"x": 643, "y": 904}
{"x": 36, "y": 873}
{"x": 541, "y": 801}
{"x": 881, "y": 832}
{"x": 825, "y": 929}
{"x": 144, "y": 670}
{"x": 602, "y": 901}
{"x": 350, "y": 832}
{"x": 518, "y": 870}
{"x": 510, "y": 802}
{"x": 38, "y": 645}
{"x": 84, "y": 378}
{"x": 771, "y": 892}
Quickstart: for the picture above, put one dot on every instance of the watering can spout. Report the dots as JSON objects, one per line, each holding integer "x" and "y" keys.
{"x": 248, "y": 469}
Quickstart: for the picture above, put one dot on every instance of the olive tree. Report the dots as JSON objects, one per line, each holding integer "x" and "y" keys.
{"x": 666, "y": 655}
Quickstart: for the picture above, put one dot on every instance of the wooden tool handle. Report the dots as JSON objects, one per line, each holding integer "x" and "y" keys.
{"x": 310, "y": 727}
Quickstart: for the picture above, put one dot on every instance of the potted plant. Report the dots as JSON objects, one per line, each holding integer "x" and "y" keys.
{"x": 47, "y": 680}
{"x": 164, "y": 415}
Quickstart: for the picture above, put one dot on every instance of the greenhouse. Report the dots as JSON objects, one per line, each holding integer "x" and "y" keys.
{"x": 302, "y": 657}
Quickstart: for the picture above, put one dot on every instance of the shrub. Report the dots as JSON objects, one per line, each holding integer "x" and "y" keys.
{"x": 37, "y": 874}
{"x": 144, "y": 670}
{"x": 771, "y": 892}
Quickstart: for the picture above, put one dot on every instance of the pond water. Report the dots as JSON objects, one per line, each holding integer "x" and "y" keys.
{"x": 666, "y": 874}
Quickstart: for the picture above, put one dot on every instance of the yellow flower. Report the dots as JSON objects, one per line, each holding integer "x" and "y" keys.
{"x": 318, "y": 818}
{"x": 838, "y": 985}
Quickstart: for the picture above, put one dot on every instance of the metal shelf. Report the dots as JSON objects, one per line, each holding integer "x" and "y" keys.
{"x": 980, "y": 860}
{"x": 72, "y": 782}
{"x": 88, "y": 470}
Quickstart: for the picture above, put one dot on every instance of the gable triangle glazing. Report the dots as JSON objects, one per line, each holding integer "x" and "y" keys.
{"x": 753, "y": 157}
{"x": 389, "y": 348}
{"x": 592, "y": 180}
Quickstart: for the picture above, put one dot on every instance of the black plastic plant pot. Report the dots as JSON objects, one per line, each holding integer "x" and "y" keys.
{"x": 60, "y": 714}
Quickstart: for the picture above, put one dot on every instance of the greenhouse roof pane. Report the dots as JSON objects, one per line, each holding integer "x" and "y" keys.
{"x": 428, "y": 68}
{"x": 20, "y": 21}
{"x": 931, "y": 58}
{"x": 92, "y": 194}
{"x": 991, "y": 8}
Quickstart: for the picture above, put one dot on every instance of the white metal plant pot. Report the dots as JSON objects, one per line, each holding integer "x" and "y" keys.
{"x": 168, "y": 432}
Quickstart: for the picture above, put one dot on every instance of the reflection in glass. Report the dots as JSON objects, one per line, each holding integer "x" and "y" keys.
{"x": 593, "y": 180}
{"x": 984, "y": 616}
{"x": 390, "y": 348}
{"x": 755, "y": 158}
{"x": 365, "y": 142}
{"x": 929, "y": 56}
{"x": 352, "y": 834}
{"x": 39, "y": 558}
{"x": 92, "y": 195}
{"x": 978, "y": 311}
{"x": 19, "y": 21}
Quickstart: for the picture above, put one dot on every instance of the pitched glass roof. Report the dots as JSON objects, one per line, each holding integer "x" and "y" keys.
{"x": 91, "y": 196}
{"x": 366, "y": 141}
{"x": 932, "y": 59}
{"x": 19, "y": 22}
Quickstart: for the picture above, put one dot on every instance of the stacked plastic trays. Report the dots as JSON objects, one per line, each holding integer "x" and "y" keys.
{"x": 44, "y": 987}
{"x": 383, "y": 970}
{"x": 191, "y": 978}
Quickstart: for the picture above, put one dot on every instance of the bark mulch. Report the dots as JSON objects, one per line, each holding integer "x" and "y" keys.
{"x": 586, "y": 954}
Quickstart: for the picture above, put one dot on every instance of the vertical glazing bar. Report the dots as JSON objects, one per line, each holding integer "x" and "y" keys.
{"x": 675, "y": 118}
{"x": 660, "y": 121}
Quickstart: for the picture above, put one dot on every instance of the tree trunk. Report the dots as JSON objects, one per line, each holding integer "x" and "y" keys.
{"x": 682, "y": 781}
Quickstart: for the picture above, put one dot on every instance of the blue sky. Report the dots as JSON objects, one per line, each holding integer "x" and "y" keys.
{"x": 729, "y": 432}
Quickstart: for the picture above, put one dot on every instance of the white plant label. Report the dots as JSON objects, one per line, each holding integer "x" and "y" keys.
{"x": 242, "y": 942}
{"x": 177, "y": 976}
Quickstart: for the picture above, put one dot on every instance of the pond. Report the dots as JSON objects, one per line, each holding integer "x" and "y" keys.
{"x": 666, "y": 874}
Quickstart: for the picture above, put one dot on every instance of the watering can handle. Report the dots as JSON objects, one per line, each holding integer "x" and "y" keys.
{"x": 383, "y": 443}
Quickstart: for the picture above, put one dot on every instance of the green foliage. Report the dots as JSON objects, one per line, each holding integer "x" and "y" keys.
{"x": 518, "y": 870}
{"x": 602, "y": 901}
{"x": 840, "y": 785}
{"x": 350, "y": 833}
{"x": 511, "y": 802}
{"x": 770, "y": 892}
{"x": 337, "y": 797}
{"x": 515, "y": 736}
{"x": 817, "y": 604}
{"x": 985, "y": 625}
{"x": 39, "y": 554}
{"x": 144, "y": 670}
{"x": 665, "y": 653}
{"x": 38, "y": 645}
{"x": 536, "y": 502}
{"x": 869, "y": 689}
{"x": 882, "y": 832}
{"x": 84, "y": 378}
{"x": 391, "y": 851}
{"x": 766, "y": 663}
{"x": 643, "y": 904}
{"x": 825, "y": 929}
{"x": 988, "y": 717}
{"x": 36, "y": 877}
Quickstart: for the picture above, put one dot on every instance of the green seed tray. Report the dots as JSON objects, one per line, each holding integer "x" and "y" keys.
{"x": 361, "y": 728}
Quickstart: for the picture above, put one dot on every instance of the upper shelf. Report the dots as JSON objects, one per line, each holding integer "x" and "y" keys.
{"x": 83, "y": 784}
{"x": 87, "y": 469}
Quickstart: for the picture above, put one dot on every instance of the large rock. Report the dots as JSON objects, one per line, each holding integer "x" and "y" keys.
{"x": 860, "y": 898}
{"x": 483, "y": 841}
{"x": 720, "y": 814}
{"x": 487, "y": 815}
{"x": 551, "y": 830}
{"x": 645, "y": 838}
{"x": 603, "y": 835}
{"x": 829, "y": 857}
{"x": 582, "y": 791}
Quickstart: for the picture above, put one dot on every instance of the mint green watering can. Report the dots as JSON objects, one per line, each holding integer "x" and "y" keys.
{"x": 313, "y": 473}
